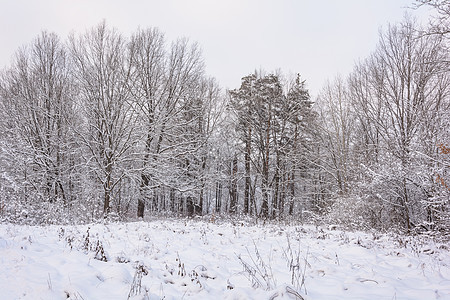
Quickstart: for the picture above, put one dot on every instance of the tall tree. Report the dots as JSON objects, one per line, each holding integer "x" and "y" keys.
{"x": 399, "y": 97}
{"x": 241, "y": 104}
{"x": 149, "y": 67}
{"x": 37, "y": 102}
{"x": 337, "y": 126}
{"x": 103, "y": 72}
{"x": 298, "y": 146}
{"x": 270, "y": 126}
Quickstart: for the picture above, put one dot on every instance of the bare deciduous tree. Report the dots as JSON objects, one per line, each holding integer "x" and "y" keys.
{"x": 37, "y": 99}
{"x": 103, "y": 74}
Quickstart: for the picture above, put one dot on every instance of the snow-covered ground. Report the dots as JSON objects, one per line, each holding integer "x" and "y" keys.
{"x": 186, "y": 259}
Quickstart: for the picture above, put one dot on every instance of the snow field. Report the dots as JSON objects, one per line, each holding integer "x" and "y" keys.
{"x": 187, "y": 259}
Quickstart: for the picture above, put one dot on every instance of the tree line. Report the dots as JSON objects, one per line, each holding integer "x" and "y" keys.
{"x": 103, "y": 125}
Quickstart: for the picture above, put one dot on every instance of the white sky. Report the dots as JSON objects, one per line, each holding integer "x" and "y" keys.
{"x": 318, "y": 39}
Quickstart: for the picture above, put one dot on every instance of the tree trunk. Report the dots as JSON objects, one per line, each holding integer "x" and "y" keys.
{"x": 233, "y": 188}
{"x": 247, "y": 201}
{"x": 107, "y": 197}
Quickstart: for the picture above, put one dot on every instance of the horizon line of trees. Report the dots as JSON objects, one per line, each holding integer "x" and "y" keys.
{"x": 106, "y": 126}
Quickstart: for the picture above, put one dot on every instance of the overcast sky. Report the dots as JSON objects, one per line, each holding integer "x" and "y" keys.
{"x": 318, "y": 39}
